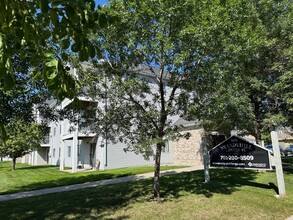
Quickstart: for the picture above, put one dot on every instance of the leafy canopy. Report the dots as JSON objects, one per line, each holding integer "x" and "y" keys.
{"x": 46, "y": 32}
{"x": 248, "y": 42}
{"x": 21, "y": 138}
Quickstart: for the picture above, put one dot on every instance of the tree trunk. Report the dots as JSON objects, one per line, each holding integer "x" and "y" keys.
{"x": 157, "y": 195}
{"x": 13, "y": 163}
{"x": 257, "y": 135}
{"x": 257, "y": 119}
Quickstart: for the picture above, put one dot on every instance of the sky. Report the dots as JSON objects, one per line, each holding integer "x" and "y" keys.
{"x": 101, "y": 2}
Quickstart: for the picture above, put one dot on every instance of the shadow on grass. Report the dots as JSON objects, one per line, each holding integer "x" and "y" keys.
{"x": 224, "y": 181}
{"x": 94, "y": 203}
{"x": 103, "y": 202}
{"x": 40, "y": 177}
{"x": 35, "y": 167}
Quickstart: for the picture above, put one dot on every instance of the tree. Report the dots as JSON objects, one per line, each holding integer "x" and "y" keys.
{"x": 20, "y": 105}
{"x": 248, "y": 49}
{"x": 45, "y": 33}
{"x": 283, "y": 88}
{"x": 148, "y": 66}
{"x": 21, "y": 138}
{"x": 19, "y": 102}
{"x": 28, "y": 95}
{"x": 159, "y": 56}
{"x": 37, "y": 41}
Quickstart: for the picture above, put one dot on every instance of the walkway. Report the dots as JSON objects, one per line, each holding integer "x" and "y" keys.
{"x": 92, "y": 184}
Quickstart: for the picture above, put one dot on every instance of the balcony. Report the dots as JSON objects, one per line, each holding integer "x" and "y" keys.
{"x": 87, "y": 129}
{"x": 46, "y": 141}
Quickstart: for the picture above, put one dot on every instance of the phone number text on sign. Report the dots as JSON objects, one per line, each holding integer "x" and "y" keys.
{"x": 243, "y": 157}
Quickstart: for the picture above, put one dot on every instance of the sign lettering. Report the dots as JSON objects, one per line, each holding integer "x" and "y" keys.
{"x": 239, "y": 153}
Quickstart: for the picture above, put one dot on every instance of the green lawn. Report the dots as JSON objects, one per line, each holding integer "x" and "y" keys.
{"x": 27, "y": 177}
{"x": 231, "y": 194}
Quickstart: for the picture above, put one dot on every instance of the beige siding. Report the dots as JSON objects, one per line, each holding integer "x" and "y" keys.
{"x": 188, "y": 151}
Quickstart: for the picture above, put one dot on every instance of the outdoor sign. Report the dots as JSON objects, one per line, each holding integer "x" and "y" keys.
{"x": 237, "y": 152}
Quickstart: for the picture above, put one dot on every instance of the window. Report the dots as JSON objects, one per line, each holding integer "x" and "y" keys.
{"x": 55, "y": 131}
{"x": 69, "y": 151}
{"x": 54, "y": 151}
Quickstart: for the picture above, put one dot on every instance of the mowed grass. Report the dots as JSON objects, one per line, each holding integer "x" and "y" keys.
{"x": 231, "y": 194}
{"x": 27, "y": 177}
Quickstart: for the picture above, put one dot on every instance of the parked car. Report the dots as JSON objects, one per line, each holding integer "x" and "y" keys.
{"x": 270, "y": 147}
{"x": 289, "y": 150}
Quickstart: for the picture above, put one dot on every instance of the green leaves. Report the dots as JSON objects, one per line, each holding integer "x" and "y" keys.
{"x": 44, "y": 5}
{"x": 247, "y": 56}
{"x": 21, "y": 138}
{"x": 65, "y": 43}
{"x": 52, "y": 62}
{"x": 57, "y": 78}
{"x": 8, "y": 80}
{"x": 32, "y": 28}
{"x": 141, "y": 45}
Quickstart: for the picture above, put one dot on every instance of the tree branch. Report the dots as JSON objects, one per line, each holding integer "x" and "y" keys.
{"x": 132, "y": 99}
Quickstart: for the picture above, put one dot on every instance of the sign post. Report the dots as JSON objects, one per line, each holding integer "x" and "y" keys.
{"x": 205, "y": 160}
{"x": 278, "y": 164}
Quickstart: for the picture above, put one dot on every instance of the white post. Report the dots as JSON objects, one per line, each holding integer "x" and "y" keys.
{"x": 278, "y": 164}
{"x": 100, "y": 152}
{"x": 205, "y": 160}
{"x": 62, "y": 150}
{"x": 35, "y": 158}
{"x": 75, "y": 149}
{"x": 97, "y": 162}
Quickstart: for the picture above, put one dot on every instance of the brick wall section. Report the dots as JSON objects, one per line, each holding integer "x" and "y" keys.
{"x": 188, "y": 151}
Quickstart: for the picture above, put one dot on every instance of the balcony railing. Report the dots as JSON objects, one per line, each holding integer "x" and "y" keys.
{"x": 87, "y": 129}
{"x": 46, "y": 140}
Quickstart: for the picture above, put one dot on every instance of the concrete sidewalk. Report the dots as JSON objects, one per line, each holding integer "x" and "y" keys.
{"x": 39, "y": 192}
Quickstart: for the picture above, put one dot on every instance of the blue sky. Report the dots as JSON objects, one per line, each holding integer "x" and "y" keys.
{"x": 101, "y": 2}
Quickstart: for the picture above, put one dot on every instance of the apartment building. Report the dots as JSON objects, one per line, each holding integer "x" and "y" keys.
{"x": 71, "y": 145}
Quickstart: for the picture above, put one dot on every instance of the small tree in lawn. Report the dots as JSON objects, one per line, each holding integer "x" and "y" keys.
{"x": 20, "y": 138}
{"x": 148, "y": 65}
